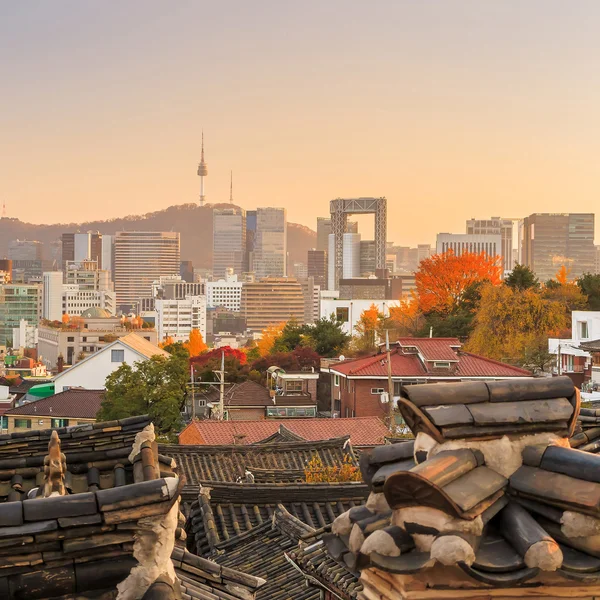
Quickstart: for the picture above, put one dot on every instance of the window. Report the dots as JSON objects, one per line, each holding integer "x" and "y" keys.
{"x": 583, "y": 330}
{"x": 293, "y": 386}
{"x": 70, "y": 339}
{"x": 377, "y": 391}
{"x": 59, "y": 423}
{"x": 342, "y": 313}
{"x": 441, "y": 365}
{"x": 23, "y": 423}
{"x": 397, "y": 388}
{"x": 336, "y": 380}
{"x": 117, "y": 356}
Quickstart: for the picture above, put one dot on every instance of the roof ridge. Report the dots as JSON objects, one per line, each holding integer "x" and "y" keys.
{"x": 496, "y": 362}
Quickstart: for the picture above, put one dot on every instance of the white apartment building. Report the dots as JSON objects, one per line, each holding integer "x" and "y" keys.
{"x": 460, "y": 243}
{"x": 225, "y": 292}
{"x": 177, "y": 318}
{"x": 25, "y": 335}
{"x": 76, "y": 300}
{"x": 349, "y": 311}
{"x": 52, "y": 295}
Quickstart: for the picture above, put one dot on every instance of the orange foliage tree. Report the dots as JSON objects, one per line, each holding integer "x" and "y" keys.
{"x": 316, "y": 472}
{"x": 405, "y": 319}
{"x": 366, "y": 329}
{"x": 166, "y": 342}
{"x": 443, "y": 278}
{"x": 267, "y": 340}
{"x": 65, "y": 319}
{"x": 195, "y": 344}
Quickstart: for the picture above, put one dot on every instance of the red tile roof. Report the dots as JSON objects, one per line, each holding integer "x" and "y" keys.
{"x": 433, "y": 349}
{"x": 363, "y": 431}
{"x": 70, "y": 404}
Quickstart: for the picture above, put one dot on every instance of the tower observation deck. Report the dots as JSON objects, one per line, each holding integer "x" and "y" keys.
{"x": 340, "y": 209}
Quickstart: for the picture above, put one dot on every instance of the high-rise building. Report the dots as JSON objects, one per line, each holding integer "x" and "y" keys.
{"x": 25, "y": 250}
{"x": 108, "y": 254}
{"x": 459, "y": 243}
{"x": 317, "y": 267}
{"x": 52, "y": 296}
{"x": 77, "y": 247}
{"x": 496, "y": 226}
{"x": 551, "y": 240}
{"x": 18, "y": 302}
{"x": 367, "y": 257}
{"x": 270, "y": 253}
{"x": 186, "y": 270}
{"x": 142, "y": 257}
{"x": 86, "y": 287}
{"x": 270, "y": 301}
{"x": 300, "y": 270}
{"x": 175, "y": 319}
{"x": 324, "y": 230}
{"x": 250, "y": 237}
{"x": 87, "y": 276}
{"x": 225, "y": 292}
{"x": 229, "y": 241}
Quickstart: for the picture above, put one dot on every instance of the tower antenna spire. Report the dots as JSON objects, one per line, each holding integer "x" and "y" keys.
{"x": 231, "y": 187}
{"x": 202, "y": 172}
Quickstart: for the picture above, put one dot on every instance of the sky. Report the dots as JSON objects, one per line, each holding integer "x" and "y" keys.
{"x": 451, "y": 109}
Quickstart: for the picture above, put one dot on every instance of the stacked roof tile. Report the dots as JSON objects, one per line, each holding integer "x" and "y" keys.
{"x": 276, "y": 462}
{"x": 508, "y": 506}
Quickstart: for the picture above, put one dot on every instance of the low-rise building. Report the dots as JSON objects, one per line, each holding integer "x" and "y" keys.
{"x": 360, "y": 386}
{"x": 71, "y": 407}
{"x": 176, "y": 319}
{"x": 348, "y": 312}
{"x": 73, "y": 342}
{"x": 91, "y": 372}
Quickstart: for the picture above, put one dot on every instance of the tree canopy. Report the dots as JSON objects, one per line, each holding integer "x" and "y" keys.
{"x": 522, "y": 278}
{"x": 589, "y": 284}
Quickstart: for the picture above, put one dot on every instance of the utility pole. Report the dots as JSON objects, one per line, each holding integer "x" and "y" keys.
{"x": 222, "y": 387}
{"x": 389, "y": 368}
{"x": 193, "y": 395}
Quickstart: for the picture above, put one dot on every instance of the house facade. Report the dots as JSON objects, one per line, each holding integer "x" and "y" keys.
{"x": 359, "y": 387}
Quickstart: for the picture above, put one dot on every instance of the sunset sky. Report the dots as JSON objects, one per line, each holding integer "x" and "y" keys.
{"x": 451, "y": 109}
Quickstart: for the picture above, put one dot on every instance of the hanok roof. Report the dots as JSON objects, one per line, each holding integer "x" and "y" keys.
{"x": 320, "y": 568}
{"x": 460, "y": 517}
{"x": 363, "y": 431}
{"x": 225, "y": 510}
{"x": 419, "y": 357}
{"x": 273, "y": 462}
{"x": 71, "y": 404}
{"x": 262, "y": 551}
{"x": 479, "y": 409}
{"x": 283, "y": 434}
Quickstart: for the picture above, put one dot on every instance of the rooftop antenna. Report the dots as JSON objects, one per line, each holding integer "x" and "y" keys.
{"x": 4, "y": 209}
{"x": 202, "y": 172}
{"x": 231, "y": 187}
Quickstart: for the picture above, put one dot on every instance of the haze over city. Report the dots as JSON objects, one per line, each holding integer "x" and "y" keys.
{"x": 451, "y": 110}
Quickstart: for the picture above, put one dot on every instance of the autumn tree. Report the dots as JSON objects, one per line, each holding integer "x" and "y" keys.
{"x": 522, "y": 278}
{"x": 195, "y": 344}
{"x": 317, "y": 472}
{"x": 367, "y": 328}
{"x": 442, "y": 279}
{"x": 406, "y": 319}
{"x": 564, "y": 290}
{"x": 510, "y": 322}
{"x": 268, "y": 338}
{"x": 168, "y": 341}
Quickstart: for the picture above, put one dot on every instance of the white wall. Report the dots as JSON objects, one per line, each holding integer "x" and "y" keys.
{"x": 91, "y": 373}
{"x": 52, "y": 295}
{"x": 355, "y": 309}
{"x": 591, "y": 318}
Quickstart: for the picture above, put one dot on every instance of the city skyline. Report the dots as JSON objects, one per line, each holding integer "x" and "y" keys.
{"x": 490, "y": 107}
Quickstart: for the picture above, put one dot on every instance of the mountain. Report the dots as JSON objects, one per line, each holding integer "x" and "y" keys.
{"x": 193, "y": 222}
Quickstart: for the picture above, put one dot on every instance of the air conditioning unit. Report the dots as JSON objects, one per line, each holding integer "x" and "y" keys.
{"x": 384, "y": 398}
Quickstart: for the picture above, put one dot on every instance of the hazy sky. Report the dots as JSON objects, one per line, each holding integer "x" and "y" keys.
{"x": 451, "y": 109}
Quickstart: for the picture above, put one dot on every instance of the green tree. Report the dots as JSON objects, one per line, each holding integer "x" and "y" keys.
{"x": 157, "y": 387}
{"x": 291, "y": 337}
{"x": 327, "y": 338}
{"x": 589, "y": 284}
{"x": 522, "y": 278}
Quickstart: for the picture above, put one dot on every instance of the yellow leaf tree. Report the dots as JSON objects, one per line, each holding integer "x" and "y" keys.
{"x": 166, "y": 342}
{"x": 509, "y": 323}
{"x": 316, "y": 472}
{"x": 195, "y": 344}
{"x": 406, "y": 319}
{"x": 268, "y": 337}
{"x": 366, "y": 329}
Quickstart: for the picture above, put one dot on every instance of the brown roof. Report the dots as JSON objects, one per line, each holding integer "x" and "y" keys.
{"x": 250, "y": 393}
{"x": 72, "y": 404}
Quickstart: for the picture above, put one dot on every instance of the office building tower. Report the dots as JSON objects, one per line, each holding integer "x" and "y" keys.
{"x": 324, "y": 230}
{"x": 87, "y": 276}
{"x": 460, "y": 243}
{"x": 300, "y": 270}
{"x": 142, "y": 257}
{"x": 176, "y": 318}
{"x": 25, "y": 250}
{"x": 351, "y": 255}
{"x": 52, "y": 296}
{"x": 270, "y": 301}
{"x": 423, "y": 251}
{"x": 186, "y": 270}
{"x": 340, "y": 209}
{"x": 553, "y": 240}
{"x": 77, "y": 247}
{"x": 229, "y": 241}
{"x": 367, "y": 258}
{"x": 5, "y": 271}
{"x": 18, "y": 302}
{"x": 250, "y": 238}
{"x": 317, "y": 267}
{"x": 496, "y": 226}
{"x": 312, "y": 299}
{"x": 270, "y": 253}
{"x": 107, "y": 258}
{"x": 225, "y": 292}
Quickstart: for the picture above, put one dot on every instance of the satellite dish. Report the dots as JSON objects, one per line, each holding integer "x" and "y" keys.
{"x": 210, "y": 405}
{"x": 342, "y": 357}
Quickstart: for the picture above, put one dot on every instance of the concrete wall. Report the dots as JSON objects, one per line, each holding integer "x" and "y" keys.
{"x": 38, "y": 422}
